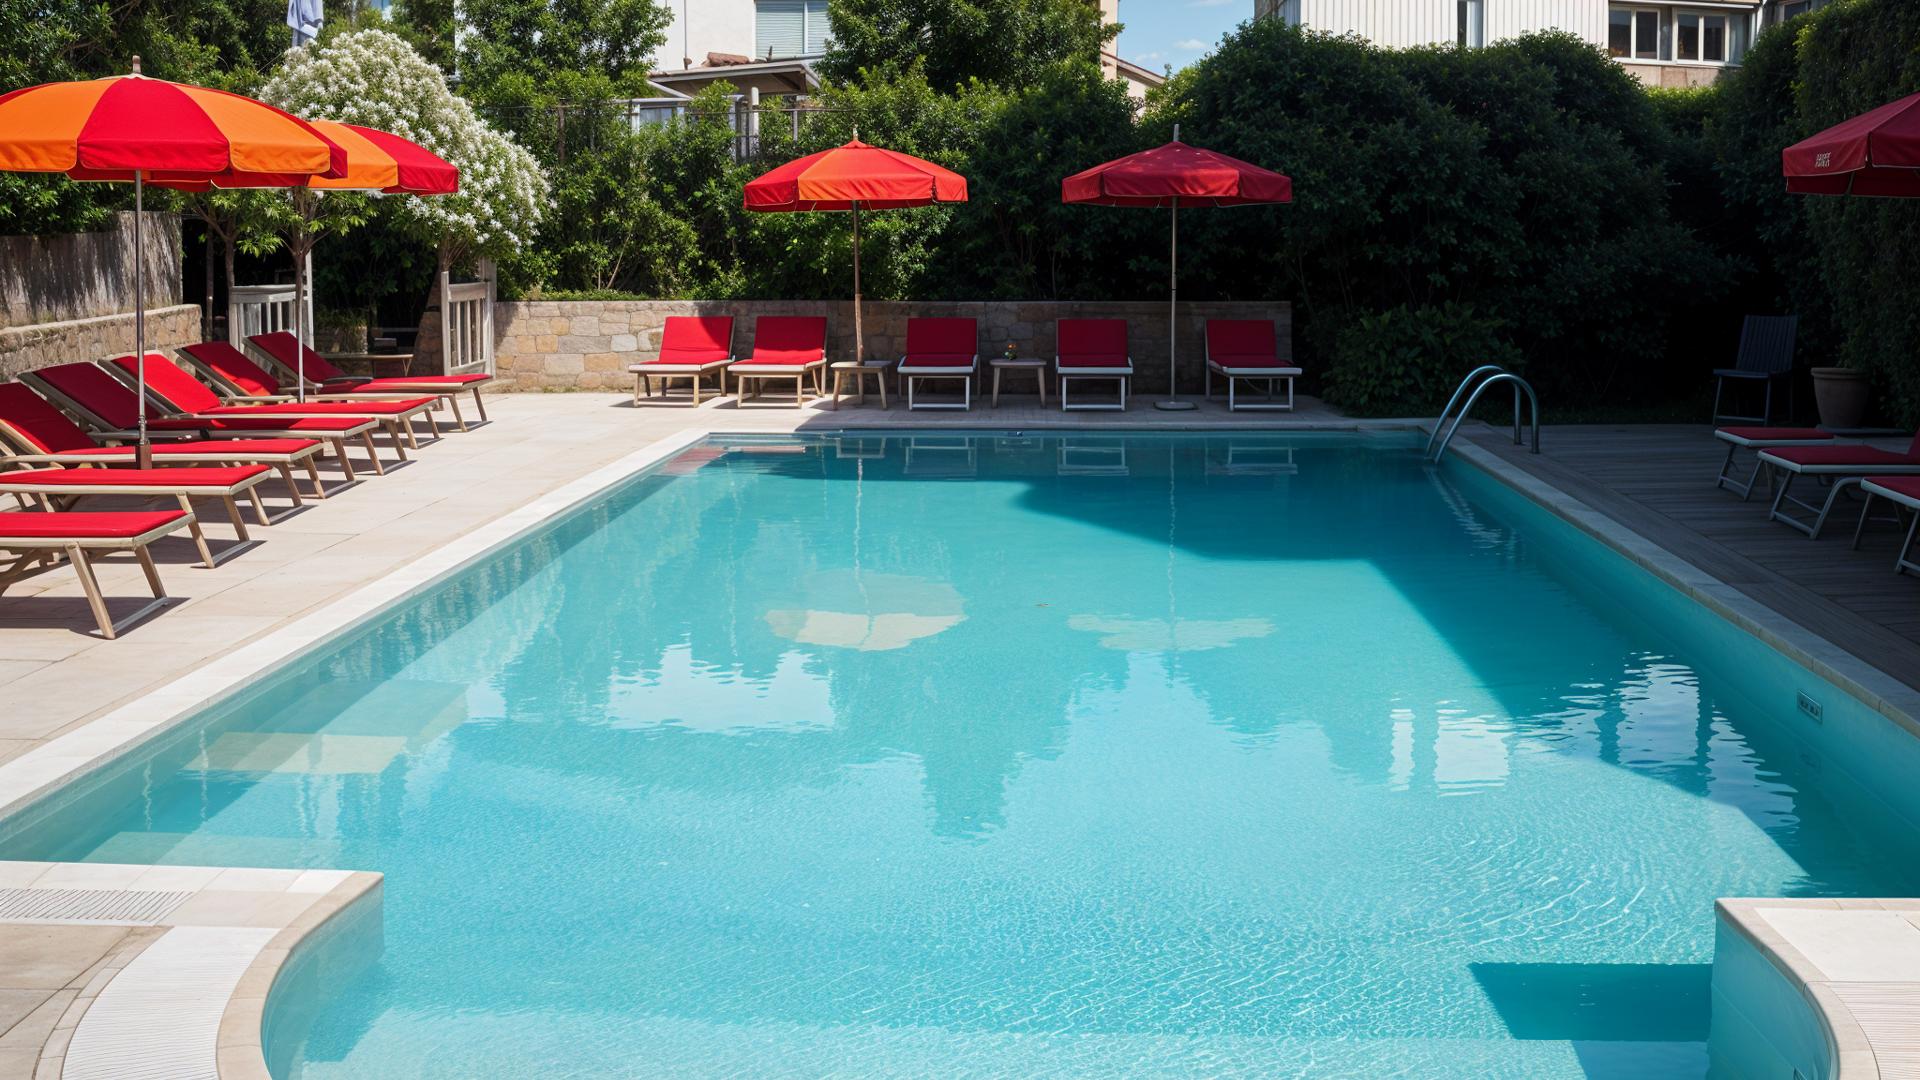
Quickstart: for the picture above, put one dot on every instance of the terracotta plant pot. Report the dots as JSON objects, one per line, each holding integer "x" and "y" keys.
{"x": 1842, "y": 395}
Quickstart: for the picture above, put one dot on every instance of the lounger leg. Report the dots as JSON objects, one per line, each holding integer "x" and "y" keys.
{"x": 1866, "y": 508}
{"x": 881, "y": 378}
{"x": 399, "y": 441}
{"x": 293, "y": 489}
{"x": 313, "y": 471}
{"x": 478, "y": 404}
{"x": 152, "y": 571}
{"x": 1779, "y": 493}
{"x": 372, "y": 455}
{"x": 1826, "y": 508}
{"x": 798, "y": 394}
{"x": 199, "y": 538}
{"x": 413, "y": 438}
{"x": 346, "y": 466}
{"x": 433, "y": 427}
{"x": 1901, "y": 564}
{"x": 77, "y": 555}
{"x": 259, "y": 507}
{"x": 453, "y": 402}
{"x": 697, "y": 380}
{"x": 239, "y": 523}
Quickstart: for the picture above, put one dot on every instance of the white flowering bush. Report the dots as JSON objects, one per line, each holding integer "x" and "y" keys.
{"x": 375, "y": 79}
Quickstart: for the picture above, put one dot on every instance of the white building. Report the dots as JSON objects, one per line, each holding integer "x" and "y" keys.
{"x": 770, "y": 46}
{"x": 1662, "y": 43}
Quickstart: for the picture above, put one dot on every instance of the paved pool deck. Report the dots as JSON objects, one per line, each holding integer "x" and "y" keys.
{"x": 121, "y": 938}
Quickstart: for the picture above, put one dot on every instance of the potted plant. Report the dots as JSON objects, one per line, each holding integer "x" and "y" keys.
{"x": 1842, "y": 395}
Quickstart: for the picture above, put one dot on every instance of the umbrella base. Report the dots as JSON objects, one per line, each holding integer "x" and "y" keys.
{"x": 1175, "y": 406}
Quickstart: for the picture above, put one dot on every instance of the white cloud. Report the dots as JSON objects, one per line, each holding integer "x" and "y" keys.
{"x": 1190, "y": 45}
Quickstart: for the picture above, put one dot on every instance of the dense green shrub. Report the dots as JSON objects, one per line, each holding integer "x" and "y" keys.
{"x": 1405, "y": 360}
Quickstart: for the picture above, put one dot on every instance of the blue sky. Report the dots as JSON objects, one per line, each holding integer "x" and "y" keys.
{"x": 1176, "y": 32}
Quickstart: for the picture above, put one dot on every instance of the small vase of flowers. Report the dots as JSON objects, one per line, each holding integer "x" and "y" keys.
{"x": 1012, "y": 353}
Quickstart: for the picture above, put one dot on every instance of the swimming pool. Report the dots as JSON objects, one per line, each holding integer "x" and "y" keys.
{"x": 1017, "y": 756}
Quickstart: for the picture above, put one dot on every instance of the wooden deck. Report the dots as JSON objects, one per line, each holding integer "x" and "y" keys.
{"x": 1658, "y": 481}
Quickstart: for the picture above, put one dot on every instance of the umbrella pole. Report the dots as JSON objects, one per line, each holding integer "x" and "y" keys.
{"x": 1173, "y": 313}
{"x": 859, "y": 338}
{"x": 144, "y": 456}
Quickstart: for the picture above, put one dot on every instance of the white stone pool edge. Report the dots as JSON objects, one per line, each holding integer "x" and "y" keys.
{"x": 241, "y": 963}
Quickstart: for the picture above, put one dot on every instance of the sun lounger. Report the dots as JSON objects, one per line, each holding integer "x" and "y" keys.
{"x": 176, "y": 388}
{"x": 1842, "y": 467}
{"x": 111, "y": 407}
{"x": 1249, "y": 350}
{"x": 691, "y": 347}
{"x": 33, "y": 537}
{"x": 785, "y": 347}
{"x": 1092, "y": 349}
{"x": 38, "y": 433}
{"x": 941, "y": 349}
{"x": 1904, "y": 493}
{"x": 1760, "y": 438}
{"x": 280, "y": 349}
{"x": 59, "y": 489}
{"x": 238, "y": 380}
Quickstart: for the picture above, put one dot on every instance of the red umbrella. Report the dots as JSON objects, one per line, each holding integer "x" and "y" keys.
{"x": 1173, "y": 176}
{"x": 1875, "y": 153}
{"x": 130, "y": 127}
{"x": 848, "y": 178}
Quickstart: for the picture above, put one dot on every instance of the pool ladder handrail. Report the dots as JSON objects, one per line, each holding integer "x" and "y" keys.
{"x": 1479, "y": 380}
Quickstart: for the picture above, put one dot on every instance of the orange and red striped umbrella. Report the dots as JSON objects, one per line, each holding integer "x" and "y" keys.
{"x": 374, "y": 161}
{"x": 111, "y": 129}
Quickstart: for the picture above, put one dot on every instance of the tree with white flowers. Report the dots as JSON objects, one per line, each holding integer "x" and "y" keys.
{"x": 375, "y": 79}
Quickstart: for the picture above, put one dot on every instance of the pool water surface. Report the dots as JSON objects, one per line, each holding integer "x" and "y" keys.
{"x": 1017, "y": 756}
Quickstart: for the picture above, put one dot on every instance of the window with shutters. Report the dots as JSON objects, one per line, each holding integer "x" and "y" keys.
{"x": 785, "y": 29}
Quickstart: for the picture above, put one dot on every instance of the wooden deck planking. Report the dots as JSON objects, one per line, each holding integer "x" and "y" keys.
{"x": 1658, "y": 481}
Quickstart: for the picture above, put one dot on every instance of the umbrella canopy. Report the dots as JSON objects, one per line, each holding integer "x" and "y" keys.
{"x": 369, "y": 160}
{"x": 851, "y": 177}
{"x": 1875, "y": 153}
{"x": 129, "y": 126}
{"x": 1173, "y": 176}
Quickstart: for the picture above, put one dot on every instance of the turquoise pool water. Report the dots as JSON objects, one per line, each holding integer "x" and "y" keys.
{"x": 940, "y": 756}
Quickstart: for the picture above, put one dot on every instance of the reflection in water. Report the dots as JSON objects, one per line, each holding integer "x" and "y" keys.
{"x": 1235, "y": 756}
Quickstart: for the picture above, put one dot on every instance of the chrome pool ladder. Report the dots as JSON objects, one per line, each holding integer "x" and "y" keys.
{"x": 1478, "y": 381}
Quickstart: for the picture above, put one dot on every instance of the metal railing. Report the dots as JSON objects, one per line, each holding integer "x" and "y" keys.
{"x": 572, "y": 127}
{"x": 1478, "y": 381}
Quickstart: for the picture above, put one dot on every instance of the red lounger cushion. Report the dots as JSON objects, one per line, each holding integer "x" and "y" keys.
{"x": 691, "y": 341}
{"x": 942, "y": 342}
{"x": 85, "y": 526}
{"x": 34, "y": 419}
{"x": 95, "y": 391}
{"x": 317, "y": 368}
{"x": 1762, "y": 434}
{"x": 1865, "y": 457}
{"x": 1243, "y": 343}
{"x": 417, "y": 383}
{"x": 1907, "y": 486}
{"x": 315, "y": 425}
{"x": 396, "y": 407}
{"x": 209, "y": 449}
{"x": 1092, "y": 343}
{"x": 166, "y": 478}
{"x": 233, "y": 366}
{"x": 184, "y": 392}
{"x": 789, "y": 340}
{"x": 172, "y": 383}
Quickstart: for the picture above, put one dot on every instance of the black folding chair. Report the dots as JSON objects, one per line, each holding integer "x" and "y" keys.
{"x": 1766, "y": 356}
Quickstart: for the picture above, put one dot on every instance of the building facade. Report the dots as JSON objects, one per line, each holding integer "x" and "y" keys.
{"x": 1662, "y": 43}
{"x": 770, "y": 46}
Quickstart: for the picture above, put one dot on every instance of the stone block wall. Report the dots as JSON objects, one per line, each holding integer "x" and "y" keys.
{"x": 23, "y": 348}
{"x": 74, "y": 276}
{"x": 587, "y": 345}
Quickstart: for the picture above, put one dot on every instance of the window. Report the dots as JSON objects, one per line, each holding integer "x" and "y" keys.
{"x": 1472, "y": 25}
{"x": 1633, "y": 33}
{"x": 784, "y": 29}
{"x": 1702, "y": 37}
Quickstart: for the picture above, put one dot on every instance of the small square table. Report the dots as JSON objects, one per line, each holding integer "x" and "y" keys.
{"x": 1019, "y": 363}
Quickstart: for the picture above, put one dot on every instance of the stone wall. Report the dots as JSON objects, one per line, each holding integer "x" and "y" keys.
{"x": 587, "y": 345}
{"x": 53, "y": 279}
{"x": 23, "y": 348}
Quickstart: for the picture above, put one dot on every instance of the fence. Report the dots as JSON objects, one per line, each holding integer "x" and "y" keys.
{"x": 262, "y": 309}
{"x": 466, "y": 327}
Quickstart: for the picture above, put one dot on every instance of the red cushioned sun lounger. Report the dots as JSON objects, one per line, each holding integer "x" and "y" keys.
{"x": 691, "y": 347}
{"x": 111, "y": 408}
{"x": 41, "y": 434}
{"x": 941, "y": 349}
{"x": 1841, "y": 467}
{"x": 785, "y": 347}
{"x": 1760, "y": 438}
{"x": 176, "y": 388}
{"x": 34, "y": 537}
{"x": 1248, "y": 350}
{"x": 1092, "y": 349}
{"x": 60, "y": 488}
{"x": 279, "y": 347}
{"x": 1904, "y": 493}
{"x": 238, "y": 380}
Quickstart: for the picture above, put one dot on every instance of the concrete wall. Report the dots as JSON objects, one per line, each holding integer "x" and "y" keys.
{"x": 587, "y": 345}
{"x": 703, "y": 26}
{"x": 23, "y": 348}
{"x": 45, "y": 279}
